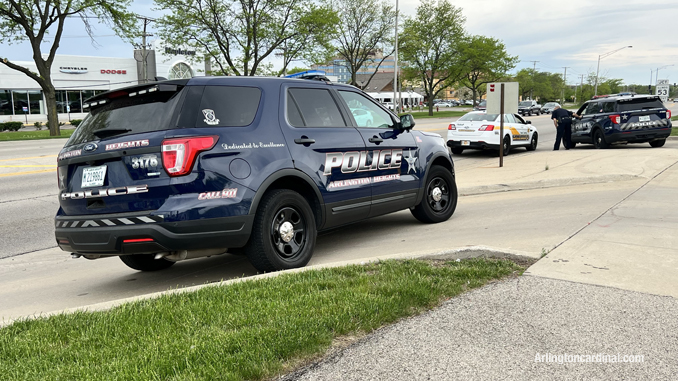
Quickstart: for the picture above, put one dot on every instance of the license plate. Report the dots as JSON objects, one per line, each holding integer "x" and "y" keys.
{"x": 467, "y": 130}
{"x": 644, "y": 118}
{"x": 93, "y": 176}
{"x": 466, "y": 142}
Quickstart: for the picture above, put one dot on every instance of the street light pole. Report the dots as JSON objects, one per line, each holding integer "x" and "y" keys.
{"x": 598, "y": 69}
{"x": 395, "y": 65}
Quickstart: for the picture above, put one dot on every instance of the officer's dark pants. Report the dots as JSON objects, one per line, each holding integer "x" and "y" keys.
{"x": 564, "y": 132}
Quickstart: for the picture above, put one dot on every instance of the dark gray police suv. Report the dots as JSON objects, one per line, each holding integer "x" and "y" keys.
{"x": 172, "y": 170}
{"x": 622, "y": 119}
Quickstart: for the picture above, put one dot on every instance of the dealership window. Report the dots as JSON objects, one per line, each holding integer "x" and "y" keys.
{"x": 35, "y": 102}
{"x": 62, "y": 101}
{"x": 74, "y": 101}
{"x": 180, "y": 71}
{"x": 5, "y": 102}
{"x": 20, "y": 101}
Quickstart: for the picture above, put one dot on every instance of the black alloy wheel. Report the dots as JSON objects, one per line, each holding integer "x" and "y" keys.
{"x": 507, "y": 145}
{"x": 657, "y": 143}
{"x": 284, "y": 232}
{"x": 599, "y": 140}
{"x": 533, "y": 142}
{"x": 440, "y": 200}
{"x": 457, "y": 150}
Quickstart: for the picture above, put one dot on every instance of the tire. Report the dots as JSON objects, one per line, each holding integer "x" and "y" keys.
{"x": 529, "y": 113}
{"x": 507, "y": 145}
{"x": 599, "y": 140}
{"x": 272, "y": 245}
{"x": 440, "y": 197}
{"x": 572, "y": 145}
{"x": 145, "y": 262}
{"x": 457, "y": 150}
{"x": 657, "y": 143}
{"x": 533, "y": 142}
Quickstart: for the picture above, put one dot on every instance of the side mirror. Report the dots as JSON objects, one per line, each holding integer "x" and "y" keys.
{"x": 406, "y": 122}
{"x": 528, "y": 121}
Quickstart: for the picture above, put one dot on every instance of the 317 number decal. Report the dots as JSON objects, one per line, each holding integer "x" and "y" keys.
{"x": 150, "y": 161}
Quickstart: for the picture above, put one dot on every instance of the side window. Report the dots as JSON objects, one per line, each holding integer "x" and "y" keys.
{"x": 593, "y": 108}
{"x": 582, "y": 109}
{"x": 228, "y": 106}
{"x": 316, "y": 108}
{"x": 608, "y": 107}
{"x": 365, "y": 112}
{"x": 519, "y": 119}
{"x": 508, "y": 118}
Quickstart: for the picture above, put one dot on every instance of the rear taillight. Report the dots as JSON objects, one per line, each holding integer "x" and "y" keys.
{"x": 178, "y": 155}
{"x": 668, "y": 114}
{"x": 487, "y": 127}
{"x": 616, "y": 119}
{"x": 452, "y": 127}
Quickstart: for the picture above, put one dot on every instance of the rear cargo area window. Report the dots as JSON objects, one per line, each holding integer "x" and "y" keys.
{"x": 640, "y": 104}
{"x": 228, "y": 106}
{"x": 128, "y": 115}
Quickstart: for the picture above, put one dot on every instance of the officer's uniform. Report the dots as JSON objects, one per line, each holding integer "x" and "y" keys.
{"x": 564, "y": 129}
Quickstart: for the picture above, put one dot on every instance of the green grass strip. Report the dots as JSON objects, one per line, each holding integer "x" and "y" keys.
{"x": 33, "y": 135}
{"x": 439, "y": 114}
{"x": 250, "y": 330}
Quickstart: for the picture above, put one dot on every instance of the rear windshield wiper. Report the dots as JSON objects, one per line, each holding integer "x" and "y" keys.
{"x": 109, "y": 132}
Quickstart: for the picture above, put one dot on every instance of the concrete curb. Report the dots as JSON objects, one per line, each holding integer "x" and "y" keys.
{"x": 542, "y": 184}
{"x": 673, "y": 138}
{"x": 451, "y": 254}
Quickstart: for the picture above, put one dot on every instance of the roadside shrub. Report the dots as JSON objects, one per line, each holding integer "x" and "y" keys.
{"x": 76, "y": 122}
{"x": 11, "y": 126}
{"x": 38, "y": 126}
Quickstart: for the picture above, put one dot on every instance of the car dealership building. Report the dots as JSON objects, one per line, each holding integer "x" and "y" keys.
{"x": 77, "y": 78}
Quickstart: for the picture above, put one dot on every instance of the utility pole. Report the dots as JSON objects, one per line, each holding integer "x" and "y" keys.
{"x": 562, "y": 96}
{"x": 395, "y": 65}
{"x": 144, "y": 54}
{"x": 534, "y": 69}
{"x": 581, "y": 87}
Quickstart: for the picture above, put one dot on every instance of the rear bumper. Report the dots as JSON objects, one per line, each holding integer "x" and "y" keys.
{"x": 638, "y": 136}
{"x": 157, "y": 237}
{"x": 473, "y": 145}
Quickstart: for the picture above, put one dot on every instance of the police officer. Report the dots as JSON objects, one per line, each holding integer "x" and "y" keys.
{"x": 562, "y": 119}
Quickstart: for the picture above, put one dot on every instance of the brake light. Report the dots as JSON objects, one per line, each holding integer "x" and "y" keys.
{"x": 452, "y": 127}
{"x": 178, "y": 155}
{"x": 668, "y": 114}
{"x": 487, "y": 127}
{"x": 616, "y": 119}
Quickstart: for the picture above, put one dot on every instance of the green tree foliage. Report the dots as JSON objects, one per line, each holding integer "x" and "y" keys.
{"x": 432, "y": 46}
{"x": 239, "y": 35}
{"x": 32, "y": 21}
{"x": 543, "y": 86}
{"x": 486, "y": 61}
{"x": 605, "y": 86}
{"x": 365, "y": 27}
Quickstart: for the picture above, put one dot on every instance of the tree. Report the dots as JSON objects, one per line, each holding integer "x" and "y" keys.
{"x": 239, "y": 36}
{"x": 432, "y": 47}
{"x": 486, "y": 61}
{"x": 544, "y": 86}
{"x": 33, "y": 21}
{"x": 365, "y": 27}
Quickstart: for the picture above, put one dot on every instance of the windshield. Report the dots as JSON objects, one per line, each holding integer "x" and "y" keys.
{"x": 478, "y": 117}
{"x": 550, "y": 104}
{"x": 526, "y": 103}
{"x": 639, "y": 104}
{"x": 483, "y": 103}
{"x": 151, "y": 112}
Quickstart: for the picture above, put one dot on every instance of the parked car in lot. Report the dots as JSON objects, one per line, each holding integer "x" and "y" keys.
{"x": 622, "y": 119}
{"x": 479, "y": 130}
{"x": 529, "y": 108}
{"x": 161, "y": 172}
{"x": 548, "y": 107}
{"x": 445, "y": 104}
{"x": 468, "y": 102}
{"x": 482, "y": 106}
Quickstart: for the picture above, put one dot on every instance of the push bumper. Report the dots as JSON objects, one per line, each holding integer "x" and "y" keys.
{"x": 136, "y": 234}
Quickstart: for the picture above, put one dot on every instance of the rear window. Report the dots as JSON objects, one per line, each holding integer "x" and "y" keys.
{"x": 639, "y": 104}
{"x": 128, "y": 115}
{"x": 479, "y": 117}
{"x": 228, "y": 106}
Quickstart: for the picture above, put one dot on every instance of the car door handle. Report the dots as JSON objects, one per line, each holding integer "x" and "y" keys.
{"x": 375, "y": 139}
{"x": 305, "y": 140}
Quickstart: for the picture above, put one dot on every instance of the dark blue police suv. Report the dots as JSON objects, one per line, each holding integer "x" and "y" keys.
{"x": 172, "y": 170}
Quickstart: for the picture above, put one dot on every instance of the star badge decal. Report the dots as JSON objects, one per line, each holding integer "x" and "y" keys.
{"x": 410, "y": 159}
{"x": 625, "y": 117}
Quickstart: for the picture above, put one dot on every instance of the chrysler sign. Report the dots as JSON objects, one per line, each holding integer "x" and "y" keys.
{"x": 73, "y": 70}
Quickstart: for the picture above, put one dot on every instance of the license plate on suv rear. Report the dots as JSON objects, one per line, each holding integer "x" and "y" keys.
{"x": 644, "y": 118}
{"x": 93, "y": 176}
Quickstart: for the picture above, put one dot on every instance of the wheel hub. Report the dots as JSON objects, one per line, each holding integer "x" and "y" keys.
{"x": 286, "y": 231}
{"x": 436, "y": 194}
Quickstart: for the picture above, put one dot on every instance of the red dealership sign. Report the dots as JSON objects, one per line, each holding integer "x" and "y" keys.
{"x": 105, "y": 71}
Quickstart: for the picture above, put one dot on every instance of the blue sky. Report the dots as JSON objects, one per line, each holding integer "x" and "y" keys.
{"x": 555, "y": 33}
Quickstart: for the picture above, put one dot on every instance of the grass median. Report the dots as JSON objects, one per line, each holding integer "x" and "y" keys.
{"x": 33, "y": 135}
{"x": 250, "y": 330}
